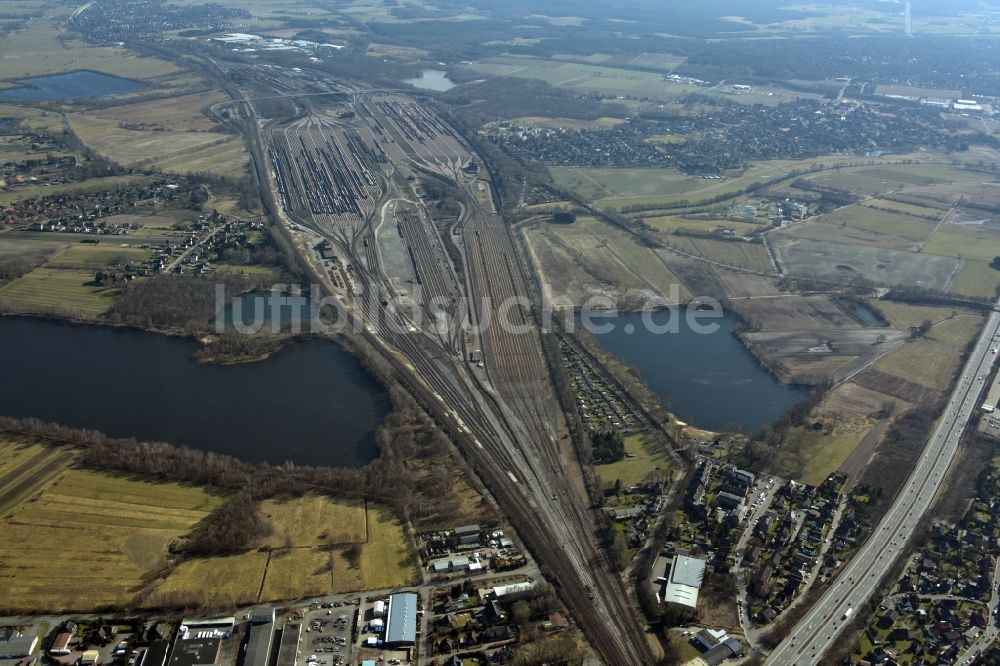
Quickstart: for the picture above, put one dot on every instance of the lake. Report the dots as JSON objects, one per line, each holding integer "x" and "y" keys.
{"x": 81, "y": 84}
{"x": 708, "y": 380}
{"x": 311, "y": 403}
{"x": 432, "y": 79}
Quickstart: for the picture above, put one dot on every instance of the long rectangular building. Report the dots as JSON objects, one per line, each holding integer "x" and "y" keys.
{"x": 401, "y": 627}
{"x": 289, "y": 644}
{"x": 259, "y": 644}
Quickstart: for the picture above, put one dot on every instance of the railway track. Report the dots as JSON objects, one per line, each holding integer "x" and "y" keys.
{"x": 506, "y": 426}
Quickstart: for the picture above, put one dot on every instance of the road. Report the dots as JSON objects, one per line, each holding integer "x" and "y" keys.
{"x": 820, "y": 627}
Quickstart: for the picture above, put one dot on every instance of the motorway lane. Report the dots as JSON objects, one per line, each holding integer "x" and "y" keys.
{"x": 819, "y": 628}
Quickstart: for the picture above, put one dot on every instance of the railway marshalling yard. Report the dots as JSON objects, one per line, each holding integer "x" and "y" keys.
{"x": 342, "y": 174}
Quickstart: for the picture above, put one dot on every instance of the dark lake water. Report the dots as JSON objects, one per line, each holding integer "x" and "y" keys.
{"x": 80, "y": 84}
{"x": 312, "y": 403}
{"x": 708, "y": 380}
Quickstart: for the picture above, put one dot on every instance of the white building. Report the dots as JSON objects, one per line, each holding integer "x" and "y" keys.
{"x": 686, "y": 575}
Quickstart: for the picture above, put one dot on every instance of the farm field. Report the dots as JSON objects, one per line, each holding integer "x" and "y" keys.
{"x": 96, "y": 257}
{"x": 177, "y": 151}
{"x": 933, "y": 360}
{"x": 568, "y": 123}
{"x": 387, "y": 559}
{"x": 595, "y": 78}
{"x": 650, "y": 461}
{"x": 102, "y": 535}
{"x": 56, "y": 291}
{"x": 732, "y": 253}
{"x": 591, "y": 257}
{"x": 981, "y": 243}
{"x": 977, "y": 278}
{"x": 90, "y": 185}
{"x": 812, "y": 455}
{"x": 226, "y": 580}
{"x": 932, "y": 212}
{"x": 32, "y": 119}
{"x": 307, "y": 572}
{"x": 308, "y": 522}
{"x": 881, "y": 179}
{"x": 905, "y": 316}
{"x": 909, "y": 229}
{"x": 594, "y": 183}
{"x": 885, "y": 266}
{"x": 795, "y": 313}
{"x": 849, "y": 415}
{"x": 33, "y": 248}
{"x": 43, "y": 47}
{"x": 64, "y": 284}
{"x": 303, "y": 556}
{"x": 181, "y": 113}
{"x": 670, "y": 224}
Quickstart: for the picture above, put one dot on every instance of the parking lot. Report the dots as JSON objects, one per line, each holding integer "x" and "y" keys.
{"x": 326, "y": 637}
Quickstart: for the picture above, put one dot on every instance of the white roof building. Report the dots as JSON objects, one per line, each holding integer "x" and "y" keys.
{"x": 686, "y": 575}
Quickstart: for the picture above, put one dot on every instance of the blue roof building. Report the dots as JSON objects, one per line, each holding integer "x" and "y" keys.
{"x": 401, "y": 626}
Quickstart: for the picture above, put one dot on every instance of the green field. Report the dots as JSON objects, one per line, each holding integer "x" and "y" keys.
{"x": 308, "y": 522}
{"x": 387, "y": 558}
{"x": 977, "y": 278}
{"x": 58, "y": 291}
{"x": 933, "y": 360}
{"x": 904, "y": 315}
{"x": 812, "y": 455}
{"x": 669, "y": 224}
{"x": 881, "y": 179}
{"x": 906, "y": 227}
{"x": 101, "y": 536}
{"x": 591, "y": 257}
{"x": 593, "y": 183}
{"x": 731, "y": 253}
{"x": 604, "y": 80}
{"x": 43, "y": 46}
{"x": 227, "y": 580}
{"x": 646, "y": 461}
{"x": 304, "y": 556}
{"x": 971, "y": 242}
{"x": 168, "y": 150}
{"x": 91, "y": 185}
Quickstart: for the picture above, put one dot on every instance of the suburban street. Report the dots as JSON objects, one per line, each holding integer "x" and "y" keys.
{"x": 820, "y": 627}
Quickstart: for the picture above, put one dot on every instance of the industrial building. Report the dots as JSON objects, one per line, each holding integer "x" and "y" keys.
{"x": 207, "y": 628}
{"x": 17, "y": 647}
{"x": 401, "y": 625}
{"x": 195, "y": 652}
{"x": 156, "y": 654}
{"x": 514, "y": 590}
{"x": 289, "y": 644}
{"x": 686, "y": 575}
{"x": 261, "y": 640}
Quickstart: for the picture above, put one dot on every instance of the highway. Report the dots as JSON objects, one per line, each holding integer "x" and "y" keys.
{"x": 819, "y": 628}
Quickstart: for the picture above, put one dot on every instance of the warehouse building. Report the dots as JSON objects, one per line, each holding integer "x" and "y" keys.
{"x": 195, "y": 652}
{"x": 156, "y": 654}
{"x": 686, "y": 574}
{"x": 401, "y": 626}
{"x": 17, "y": 647}
{"x": 261, "y": 638}
{"x": 289, "y": 644}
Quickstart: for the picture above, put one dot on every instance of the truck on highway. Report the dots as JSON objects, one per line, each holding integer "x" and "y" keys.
{"x": 847, "y": 613}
